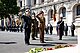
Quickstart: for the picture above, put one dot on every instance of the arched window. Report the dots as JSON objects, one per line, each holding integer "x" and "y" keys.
{"x": 78, "y": 10}
{"x": 20, "y": 3}
{"x": 64, "y": 12}
{"x": 42, "y": 1}
{"x": 34, "y": 2}
{"x": 50, "y": 14}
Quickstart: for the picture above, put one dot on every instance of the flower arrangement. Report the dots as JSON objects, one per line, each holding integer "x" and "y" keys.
{"x": 36, "y": 50}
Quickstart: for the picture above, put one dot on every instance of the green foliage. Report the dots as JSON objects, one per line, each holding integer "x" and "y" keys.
{"x": 8, "y": 7}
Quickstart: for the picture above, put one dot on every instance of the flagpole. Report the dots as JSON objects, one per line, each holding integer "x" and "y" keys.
{"x": 54, "y": 15}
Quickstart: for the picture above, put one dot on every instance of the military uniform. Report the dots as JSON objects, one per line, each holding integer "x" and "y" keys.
{"x": 41, "y": 28}
{"x": 60, "y": 29}
{"x": 33, "y": 29}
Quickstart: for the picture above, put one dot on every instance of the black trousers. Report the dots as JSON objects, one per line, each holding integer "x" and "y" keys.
{"x": 27, "y": 34}
{"x": 33, "y": 33}
{"x": 72, "y": 32}
{"x": 51, "y": 32}
{"x": 65, "y": 33}
{"x": 60, "y": 34}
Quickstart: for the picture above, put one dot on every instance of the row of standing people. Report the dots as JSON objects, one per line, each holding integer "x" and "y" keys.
{"x": 49, "y": 29}
{"x": 29, "y": 23}
{"x": 61, "y": 28}
{"x": 14, "y": 27}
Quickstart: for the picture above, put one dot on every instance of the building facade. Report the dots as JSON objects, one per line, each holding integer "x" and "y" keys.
{"x": 68, "y": 9}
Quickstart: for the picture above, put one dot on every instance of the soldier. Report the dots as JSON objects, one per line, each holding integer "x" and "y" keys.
{"x": 41, "y": 18}
{"x": 72, "y": 29}
{"x": 27, "y": 26}
{"x": 36, "y": 27}
{"x": 60, "y": 28}
{"x": 33, "y": 26}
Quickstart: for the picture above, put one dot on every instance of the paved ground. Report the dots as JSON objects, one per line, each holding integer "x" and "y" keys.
{"x": 13, "y": 42}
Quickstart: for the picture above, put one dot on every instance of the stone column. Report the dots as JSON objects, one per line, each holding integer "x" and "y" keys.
{"x": 37, "y": 2}
{"x": 27, "y": 3}
{"x": 45, "y": 1}
{"x": 32, "y": 2}
{"x": 78, "y": 32}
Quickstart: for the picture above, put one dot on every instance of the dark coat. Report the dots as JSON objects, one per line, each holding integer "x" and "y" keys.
{"x": 61, "y": 27}
{"x": 51, "y": 28}
{"x": 27, "y": 21}
{"x": 66, "y": 28}
{"x": 72, "y": 27}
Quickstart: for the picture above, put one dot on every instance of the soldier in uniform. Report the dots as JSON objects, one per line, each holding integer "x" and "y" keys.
{"x": 41, "y": 18}
{"x": 33, "y": 26}
{"x": 27, "y": 26}
{"x": 60, "y": 28}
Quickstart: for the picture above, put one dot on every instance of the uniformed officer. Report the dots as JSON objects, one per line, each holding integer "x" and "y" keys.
{"x": 33, "y": 26}
{"x": 60, "y": 28}
{"x": 41, "y": 18}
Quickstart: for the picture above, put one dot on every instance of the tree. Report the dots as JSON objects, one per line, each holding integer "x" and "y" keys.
{"x": 8, "y": 7}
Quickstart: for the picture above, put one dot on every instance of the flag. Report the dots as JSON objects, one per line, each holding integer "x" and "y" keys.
{"x": 54, "y": 15}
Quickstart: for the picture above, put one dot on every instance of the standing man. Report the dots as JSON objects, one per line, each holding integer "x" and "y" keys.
{"x": 33, "y": 26}
{"x": 66, "y": 29}
{"x": 41, "y": 18}
{"x": 27, "y": 26}
{"x": 72, "y": 29}
{"x": 51, "y": 28}
{"x": 60, "y": 28}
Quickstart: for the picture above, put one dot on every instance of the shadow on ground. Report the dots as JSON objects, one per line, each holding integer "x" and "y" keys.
{"x": 42, "y": 44}
{"x": 56, "y": 42}
{"x": 7, "y": 42}
{"x": 47, "y": 44}
{"x": 69, "y": 39}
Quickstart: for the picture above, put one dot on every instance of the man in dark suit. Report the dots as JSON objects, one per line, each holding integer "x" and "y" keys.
{"x": 66, "y": 29}
{"x": 27, "y": 26}
{"x": 72, "y": 29}
{"x": 51, "y": 28}
{"x": 60, "y": 28}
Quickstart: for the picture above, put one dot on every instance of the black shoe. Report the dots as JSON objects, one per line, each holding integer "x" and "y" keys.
{"x": 42, "y": 42}
{"x": 33, "y": 39}
{"x": 36, "y": 36}
{"x": 60, "y": 39}
{"x": 27, "y": 43}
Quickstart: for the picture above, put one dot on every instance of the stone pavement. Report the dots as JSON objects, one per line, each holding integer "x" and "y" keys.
{"x": 13, "y": 42}
{"x": 54, "y": 39}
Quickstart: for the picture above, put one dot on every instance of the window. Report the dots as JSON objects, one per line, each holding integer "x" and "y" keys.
{"x": 34, "y": 2}
{"x": 20, "y": 3}
{"x": 78, "y": 10}
{"x": 42, "y": 1}
{"x": 64, "y": 12}
{"x": 51, "y": 13}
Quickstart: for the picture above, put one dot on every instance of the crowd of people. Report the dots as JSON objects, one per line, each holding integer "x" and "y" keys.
{"x": 34, "y": 24}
